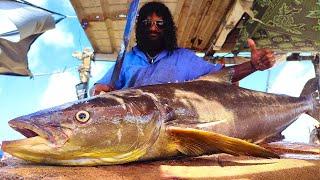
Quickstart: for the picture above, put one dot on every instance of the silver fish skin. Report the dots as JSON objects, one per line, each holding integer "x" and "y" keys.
{"x": 159, "y": 122}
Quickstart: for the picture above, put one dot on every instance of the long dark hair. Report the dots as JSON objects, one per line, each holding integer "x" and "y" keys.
{"x": 170, "y": 38}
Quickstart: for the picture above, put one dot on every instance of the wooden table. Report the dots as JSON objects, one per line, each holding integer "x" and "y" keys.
{"x": 218, "y": 166}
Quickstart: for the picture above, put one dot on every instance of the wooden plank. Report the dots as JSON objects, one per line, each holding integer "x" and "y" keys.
{"x": 117, "y": 2}
{"x": 118, "y": 8}
{"x": 193, "y": 11}
{"x": 97, "y": 26}
{"x": 118, "y": 25}
{"x": 177, "y": 10}
{"x": 210, "y": 32}
{"x": 103, "y": 49}
{"x": 91, "y": 3}
{"x": 198, "y": 19}
{"x": 231, "y": 19}
{"x": 208, "y": 28}
{"x": 219, "y": 166}
{"x": 183, "y": 20}
{"x": 110, "y": 25}
{"x": 171, "y": 6}
{"x": 109, "y": 48}
{"x": 97, "y": 34}
{"x": 103, "y": 42}
{"x": 203, "y": 22}
{"x": 93, "y": 10}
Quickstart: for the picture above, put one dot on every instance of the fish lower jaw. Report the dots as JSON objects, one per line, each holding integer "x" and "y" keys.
{"x": 40, "y": 150}
{"x": 25, "y": 148}
{"x": 94, "y": 161}
{"x": 84, "y": 161}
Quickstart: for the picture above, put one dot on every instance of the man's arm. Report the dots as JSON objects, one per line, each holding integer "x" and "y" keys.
{"x": 261, "y": 59}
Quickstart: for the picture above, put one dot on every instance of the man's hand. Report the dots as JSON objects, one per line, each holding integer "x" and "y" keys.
{"x": 98, "y": 88}
{"x": 261, "y": 59}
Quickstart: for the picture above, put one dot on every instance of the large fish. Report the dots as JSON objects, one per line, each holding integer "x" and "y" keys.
{"x": 159, "y": 122}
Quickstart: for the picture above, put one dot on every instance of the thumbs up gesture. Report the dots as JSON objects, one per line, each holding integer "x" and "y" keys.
{"x": 261, "y": 59}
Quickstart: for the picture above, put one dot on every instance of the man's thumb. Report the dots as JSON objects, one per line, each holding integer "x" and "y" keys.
{"x": 252, "y": 45}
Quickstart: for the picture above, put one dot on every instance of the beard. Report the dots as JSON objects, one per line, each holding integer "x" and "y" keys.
{"x": 151, "y": 42}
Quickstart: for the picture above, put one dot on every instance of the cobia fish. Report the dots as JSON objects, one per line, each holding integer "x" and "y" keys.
{"x": 159, "y": 122}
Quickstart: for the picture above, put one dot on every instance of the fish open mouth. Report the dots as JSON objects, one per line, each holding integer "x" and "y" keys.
{"x": 28, "y": 129}
{"x": 41, "y": 142}
{"x": 27, "y": 132}
{"x": 40, "y": 139}
{"x": 34, "y": 136}
{"x": 53, "y": 134}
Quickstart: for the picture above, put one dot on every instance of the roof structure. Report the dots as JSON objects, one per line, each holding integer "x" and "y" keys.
{"x": 211, "y": 26}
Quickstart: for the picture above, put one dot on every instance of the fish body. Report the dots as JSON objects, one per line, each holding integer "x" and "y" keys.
{"x": 158, "y": 122}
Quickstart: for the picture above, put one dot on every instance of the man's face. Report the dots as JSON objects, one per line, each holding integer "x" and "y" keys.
{"x": 153, "y": 25}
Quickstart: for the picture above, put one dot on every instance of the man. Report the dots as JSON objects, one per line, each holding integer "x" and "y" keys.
{"x": 157, "y": 59}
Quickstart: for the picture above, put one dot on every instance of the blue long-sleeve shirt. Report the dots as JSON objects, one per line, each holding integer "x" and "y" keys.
{"x": 179, "y": 66}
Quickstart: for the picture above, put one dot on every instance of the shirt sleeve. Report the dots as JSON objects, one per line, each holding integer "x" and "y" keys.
{"x": 198, "y": 66}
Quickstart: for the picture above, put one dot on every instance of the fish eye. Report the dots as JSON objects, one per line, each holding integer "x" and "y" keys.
{"x": 83, "y": 116}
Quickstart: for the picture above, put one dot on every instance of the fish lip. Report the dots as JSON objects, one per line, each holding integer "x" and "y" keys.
{"x": 55, "y": 135}
{"x": 27, "y": 128}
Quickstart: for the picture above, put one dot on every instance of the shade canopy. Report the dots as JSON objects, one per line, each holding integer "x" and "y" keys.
{"x": 20, "y": 25}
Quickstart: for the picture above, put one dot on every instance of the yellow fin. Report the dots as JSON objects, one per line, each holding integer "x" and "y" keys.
{"x": 194, "y": 142}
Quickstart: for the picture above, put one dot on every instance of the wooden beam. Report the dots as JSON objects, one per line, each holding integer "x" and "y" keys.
{"x": 214, "y": 31}
{"x": 105, "y": 57}
{"x": 183, "y": 20}
{"x": 192, "y": 13}
{"x": 178, "y": 10}
{"x": 203, "y": 21}
{"x": 212, "y": 21}
{"x": 196, "y": 20}
{"x": 231, "y": 19}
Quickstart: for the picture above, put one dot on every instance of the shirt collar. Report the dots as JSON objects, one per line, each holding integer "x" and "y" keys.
{"x": 139, "y": 53}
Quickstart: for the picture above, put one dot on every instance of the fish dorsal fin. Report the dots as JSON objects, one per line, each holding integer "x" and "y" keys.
{"x": 194, "y": 142}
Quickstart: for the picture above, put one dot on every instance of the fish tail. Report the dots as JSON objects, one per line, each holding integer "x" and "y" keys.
{"x": 311, "y": 90}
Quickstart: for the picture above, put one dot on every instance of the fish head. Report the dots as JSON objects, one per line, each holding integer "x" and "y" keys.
{"x": 101, "y": 130}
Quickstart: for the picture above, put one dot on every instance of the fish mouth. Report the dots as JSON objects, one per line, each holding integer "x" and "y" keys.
{"x": 28, "y": 129}
{"x": 52, "y": 134}
{"x": 40, "y": 142}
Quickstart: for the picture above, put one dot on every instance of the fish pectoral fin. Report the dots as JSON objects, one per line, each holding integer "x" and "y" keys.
{"x": 194, "y": 142}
